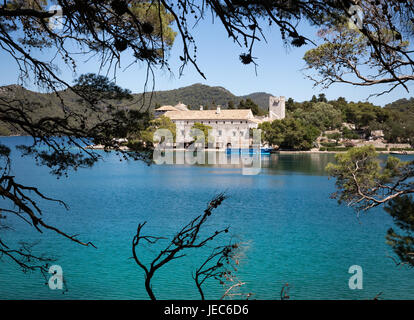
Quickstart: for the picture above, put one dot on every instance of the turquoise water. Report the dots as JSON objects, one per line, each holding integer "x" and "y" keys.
{"x": 294, "y": 232}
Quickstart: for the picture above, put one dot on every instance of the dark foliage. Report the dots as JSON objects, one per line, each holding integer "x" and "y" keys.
{"x": 191, "y": 236}
{"x": 401, "y": 209}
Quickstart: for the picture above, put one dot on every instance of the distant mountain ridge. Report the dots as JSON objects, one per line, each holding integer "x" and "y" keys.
{"x": 199, "y": 94}
{"x": 194, "y": 96}
{"x": 48, "y": 104}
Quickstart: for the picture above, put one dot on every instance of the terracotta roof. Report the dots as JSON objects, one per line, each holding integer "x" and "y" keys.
{"x": 181, "y": 106}
{"x": 256, "y": 120}
{"x": 166, "y": 108}
{"x": 234, "y": 114}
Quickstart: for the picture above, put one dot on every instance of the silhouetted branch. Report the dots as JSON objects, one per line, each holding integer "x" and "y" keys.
{"x": 221, "y": 265}
{"x": 25, "y": 259}
{"x": 187, "y": 238}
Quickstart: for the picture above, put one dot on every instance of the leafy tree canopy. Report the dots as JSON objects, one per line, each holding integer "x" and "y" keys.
{"x": 147, "y": 135}
{"x": 289, "y": 134}
{"x": 363, "y": 182}
{"x": 100, "y": 87}
{"x": 380, "y": 39}
{"x": 321, "y": 115}
{"x": 249, "y": 104}
{"x": 204, "y": 129}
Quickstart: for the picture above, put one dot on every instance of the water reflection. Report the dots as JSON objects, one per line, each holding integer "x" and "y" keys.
{"x": 277, "y": 163}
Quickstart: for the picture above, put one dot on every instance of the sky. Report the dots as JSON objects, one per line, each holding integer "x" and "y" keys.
{"x": 279, "y": 71}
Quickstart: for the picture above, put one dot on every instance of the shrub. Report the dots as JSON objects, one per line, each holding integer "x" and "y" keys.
{"x": 334, "y": 136}
{"x": 329, "y": 144}
{"x": 349, "y": 144}
{"x": 402, "y": 149}
{"x": 338, "y": 149}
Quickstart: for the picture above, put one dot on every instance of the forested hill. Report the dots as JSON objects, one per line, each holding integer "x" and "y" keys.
{"x": 193, "y": 96}
{"x": 200, "y": 94}
{"x": 404, "y": 106}
{"x": 404, "y": 111}
{"x": 396, "y": 118}
{"x": 44, "y": 104}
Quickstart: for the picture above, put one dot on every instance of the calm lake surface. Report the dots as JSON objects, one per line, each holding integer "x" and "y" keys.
{"x": 294, "y": 232}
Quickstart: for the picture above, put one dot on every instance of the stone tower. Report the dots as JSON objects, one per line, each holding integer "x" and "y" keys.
{"x": 276, "y": 108}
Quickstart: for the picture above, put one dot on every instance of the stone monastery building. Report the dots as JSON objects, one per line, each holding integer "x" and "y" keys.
{"x": 230, "y": 127}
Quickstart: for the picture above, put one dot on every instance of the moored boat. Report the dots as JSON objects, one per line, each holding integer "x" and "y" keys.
{"x": 248, "y": 151}
{"x": 399, "y": 152}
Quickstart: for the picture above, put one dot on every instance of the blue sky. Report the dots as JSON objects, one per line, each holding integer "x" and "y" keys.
{"x": 279, "y": 70}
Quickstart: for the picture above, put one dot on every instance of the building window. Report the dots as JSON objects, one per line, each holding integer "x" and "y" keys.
{"x": 234, "y": 133}
{"x": 241, "y": 133}
{"x": 219, "y": 132}
{"x": 182, "y": 132}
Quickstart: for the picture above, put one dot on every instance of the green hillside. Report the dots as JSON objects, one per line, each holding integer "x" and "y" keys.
{"x": 396, "y": 119}
{"x": 402, "y": 122}
{"x": 199, "y": 94}
{"x": 260, "y": 98}
{"x": 403, "y": 106}
{"x": 40, "y": 105}
{"x": 48, "y": 104}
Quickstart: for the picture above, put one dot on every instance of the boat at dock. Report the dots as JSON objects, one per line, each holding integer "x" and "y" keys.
{"x": 248, "y": 151}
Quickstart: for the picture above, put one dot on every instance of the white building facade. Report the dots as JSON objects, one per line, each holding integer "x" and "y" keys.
{"x": 230, "y": 128}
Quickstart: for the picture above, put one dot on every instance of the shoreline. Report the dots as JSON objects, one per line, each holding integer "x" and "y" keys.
{"x": 124, "y": 148}
{"x": 322, "y": 152}
{"x": 275, "y": 152}
{"x": 14, "y": 135}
